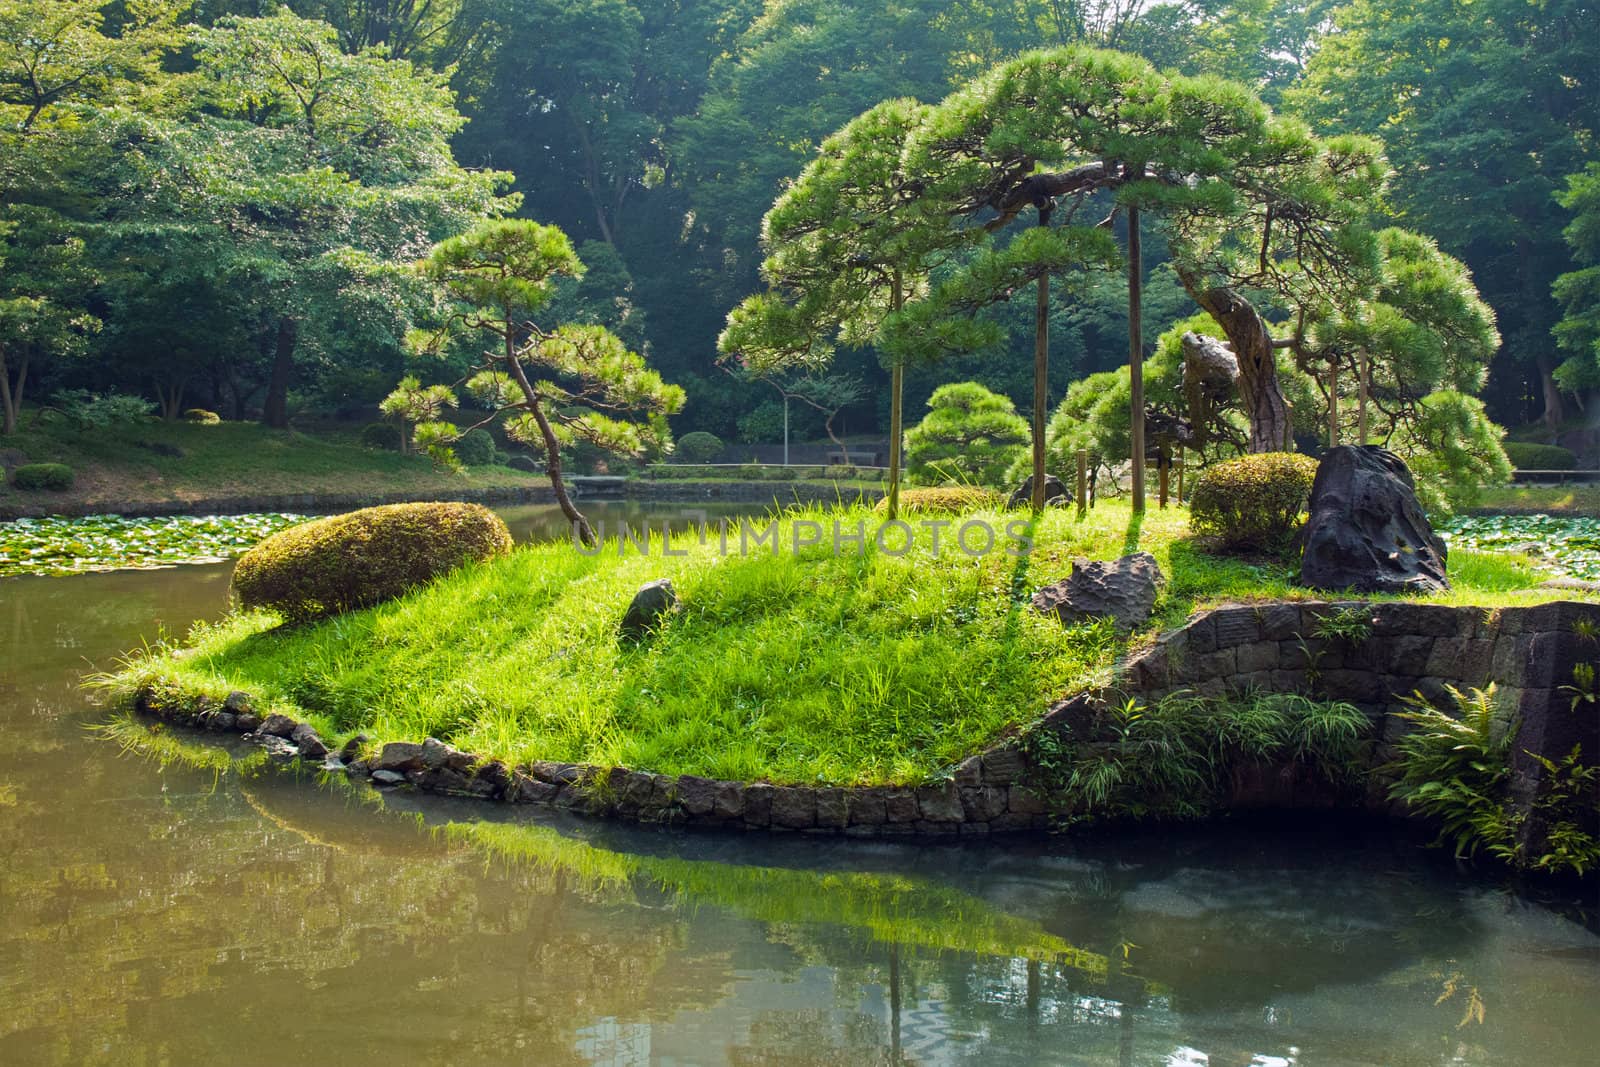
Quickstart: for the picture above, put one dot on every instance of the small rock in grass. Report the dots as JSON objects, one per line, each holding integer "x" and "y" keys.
{"x": 310, "y": 745}
{"x": 277, "y": 726}
{"x": 238, "y": 702}
{"x": 1123, "y": 590}
{"x": 651, "y": 604}
{"x": 351, "y": 749}
{"x": 388, "y": 777}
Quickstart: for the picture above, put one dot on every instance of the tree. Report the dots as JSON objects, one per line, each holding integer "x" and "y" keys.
{"x": 41, "y": 296}
{"x": 495, "y": 279}
{"x": 331, "y": 171}
{"x": 969, "y": 435}
{"x": 842, "y": 256}
{"x": 415, "y": 404}
{"x": 1485, "y": 109}
{"x": 1578, "y": 332}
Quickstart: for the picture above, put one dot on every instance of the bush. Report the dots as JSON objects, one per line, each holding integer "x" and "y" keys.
{"x": 92, "y": 411}
{"x": 475, "y": 448}
{"x": 699, "y": 447}
{"x": 1530, "y": 457}
{"x": 971, "y": 435}
{"x": 201, "y": 417}
{"x": 353, "y": 561}
{"x": 1253, "y": 501}
{"x": 944, "y": 498}
{"x": 42, "y": 476}
{"x": 384, "y": 436}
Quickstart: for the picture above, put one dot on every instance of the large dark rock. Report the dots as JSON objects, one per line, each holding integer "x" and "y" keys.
{"x": 651, "y": 603}
{"x": 1367, "y": 533}
{"x": 1056, "y": 494}
{"x": 1122, "y": 589}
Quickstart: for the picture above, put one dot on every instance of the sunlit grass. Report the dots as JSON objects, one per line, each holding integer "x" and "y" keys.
{"x": 858, "y": 667}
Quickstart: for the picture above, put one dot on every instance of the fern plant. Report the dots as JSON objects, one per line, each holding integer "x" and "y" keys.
{"x": 1454, "y": 770}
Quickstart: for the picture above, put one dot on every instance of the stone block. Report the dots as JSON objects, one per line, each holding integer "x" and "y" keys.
{"x": 832, "y": 808}
{"x": 867, "y": 807}
{"x": 794, "y": 807}
{"x": 982, "y": 803}
{"x": 1004, "y": 765}
{"x": 728, "y": 800}
{"x": 1022, "y": 800}
{"x": 1407, "y": 654}
{"x": 1256, "y": 656}
{"x": 398, "y": 756}
{"x": 1235, "y": 626}
{"x": 758, "y": 798}
{"x": 940, "y": 804}
{"x": 696, "y": 795}
{"x": 1279, "y": 622}
{"x": 900, "y": 806}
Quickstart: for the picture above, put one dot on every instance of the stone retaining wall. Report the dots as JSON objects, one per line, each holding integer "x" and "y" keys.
{"x": 1531, "y": 652}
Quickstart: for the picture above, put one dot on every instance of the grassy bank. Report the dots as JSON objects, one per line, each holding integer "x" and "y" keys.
{"x": 160, "y": 462}
{"x": 870, "y": 668}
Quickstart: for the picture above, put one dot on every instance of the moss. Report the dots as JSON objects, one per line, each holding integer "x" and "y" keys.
{"x": 944, "y": 498}
{"x": 352, "y": 561}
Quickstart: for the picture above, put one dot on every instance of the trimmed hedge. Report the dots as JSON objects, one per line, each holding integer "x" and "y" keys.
{"x": 699, "y": 447}
{"x": 1254, "y": 501}
{"x": 55, "y": 476}
{"x": 380, "y": 435}
{"x": 475, "y": 448}
{"x": 202, "y": 417}
{"x": 1526, "y": 456}
{"x": 943, "y": 498}
{"x": 363, "y": 558}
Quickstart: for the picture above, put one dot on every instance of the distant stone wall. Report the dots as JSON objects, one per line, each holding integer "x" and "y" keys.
{"x": 1530, "y": 652}
{"x": 259, "y": 502}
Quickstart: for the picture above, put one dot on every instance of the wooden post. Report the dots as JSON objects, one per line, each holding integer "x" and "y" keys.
{"x": 1333, "y": 404}
{"x": 1163, "y": 466}
{"x": 1083, "y": 481}
{"x": 897, "y": 377}
{"x": 1363, "y": 385}
{"x": 1041, "y": 373}
{"x": 1181, "y": 464}
{"x": 1136, "y": 355}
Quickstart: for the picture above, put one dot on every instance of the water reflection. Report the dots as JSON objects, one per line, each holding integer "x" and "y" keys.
{"x": 159, "y": 908}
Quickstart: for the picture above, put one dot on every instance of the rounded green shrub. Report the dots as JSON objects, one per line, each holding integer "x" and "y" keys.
{"x": 943, "y": 498}
{"x": 475, "y": 448}
{"x": 970, "y": 436}
{"x": 384, "y": 436}
{"x": 56, "y": 476}
{"x": 699, "y": 447}
{"x": 201, "y": 417}
{"x": 351, "y": 561}
{"x": 1526, "y": 456}
{"x": 1253, "y": 501}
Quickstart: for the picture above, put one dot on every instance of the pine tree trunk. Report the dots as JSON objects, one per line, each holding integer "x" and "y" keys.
{"x": 552, "y": 455}
{"x": 897, "y": 384}
{"x": 1555, "y": 409}
{"x": 10, "y": 402}
{"x": 275, "y": 410}
{"x": 1260, "y": 392}
{"x": 1136, "y": 361}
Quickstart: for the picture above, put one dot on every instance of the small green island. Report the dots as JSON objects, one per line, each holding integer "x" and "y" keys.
{"x": 739, "y": 532}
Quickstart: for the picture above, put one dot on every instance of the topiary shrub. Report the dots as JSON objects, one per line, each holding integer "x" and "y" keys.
{"x": 56, "y": 476}
{"x": 699, "y": 447}
{"x": 1525, "y": 456}
{"x": 943, "y": 498}
{"x": 970, "y": 436}
{"x": 352, "y": 561}
{"x": 475, "y": 448}
{"x": 201, "y": 417}
{"x": 1254, "y": 501}
{"x": 384, "y": 436}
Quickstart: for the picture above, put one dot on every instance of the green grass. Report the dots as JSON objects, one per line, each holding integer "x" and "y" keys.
{"x": 135, "y": 464}
{"x": 816, "y": 667}
{"x": 1550, "y": 499}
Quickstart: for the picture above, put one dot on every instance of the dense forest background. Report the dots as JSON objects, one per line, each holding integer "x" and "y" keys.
{"x": 658, "y": 132}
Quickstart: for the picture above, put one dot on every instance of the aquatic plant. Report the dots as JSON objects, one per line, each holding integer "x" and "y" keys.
{"x": 113, "y": 542}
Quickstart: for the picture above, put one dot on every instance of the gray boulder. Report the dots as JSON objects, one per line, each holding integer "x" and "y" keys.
{"x": 1367, "y": 534}
{"x": 654, "y": 601}
{"x": 1056, "y": 494}
{"x": 1121, "y": 589}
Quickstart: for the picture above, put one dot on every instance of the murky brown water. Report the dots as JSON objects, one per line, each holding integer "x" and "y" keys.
{"x": 175, "y": 914}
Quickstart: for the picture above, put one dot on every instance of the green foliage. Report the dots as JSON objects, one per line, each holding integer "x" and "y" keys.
{"x": 384, "y": 436}
{"x": 1527, "y": 456}
{"x": 1177, "y": 758}
{"x": 1454, "y": 769}
{"x": 699, "y": 447}
{"x": 970, "y": 435}
{"x": 202, "y": 417}
{"x": 351, "y": 561}
{"x": 1453, "y": 451}
{"x": 475, "y": 448}
{"x": 99, "y": 411}
{"x": 1253, "y": 501}
{"x": 1578, "y": 291}
{"x": 944, "y": 499}
{"x": 33, "y": 476}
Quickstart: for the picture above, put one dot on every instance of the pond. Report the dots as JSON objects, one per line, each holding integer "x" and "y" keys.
{"x": 199, "y": 909}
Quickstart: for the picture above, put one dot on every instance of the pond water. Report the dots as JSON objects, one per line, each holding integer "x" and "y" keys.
{"x": 234, "y": 913}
